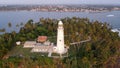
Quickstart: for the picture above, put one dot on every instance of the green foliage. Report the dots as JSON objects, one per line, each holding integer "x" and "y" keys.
{"x": 9, "y": 24}
{"x": 97, "y": 53}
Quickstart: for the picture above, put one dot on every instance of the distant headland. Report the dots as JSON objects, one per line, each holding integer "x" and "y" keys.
{"x": 61, "y": 8}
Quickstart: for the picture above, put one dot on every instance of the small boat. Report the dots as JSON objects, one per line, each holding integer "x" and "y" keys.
{"x": 110, "y": 15}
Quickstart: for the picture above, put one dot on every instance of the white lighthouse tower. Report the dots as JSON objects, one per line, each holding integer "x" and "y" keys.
{"x": 60, "y": 38}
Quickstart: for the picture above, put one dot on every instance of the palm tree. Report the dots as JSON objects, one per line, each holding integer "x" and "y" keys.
{"x": 9, "y": 24}
{"x": 13, "y": 34}
{"x": 17, "y": 25}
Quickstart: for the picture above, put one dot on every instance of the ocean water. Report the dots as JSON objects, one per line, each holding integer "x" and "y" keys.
{"x": 16, "y": 17}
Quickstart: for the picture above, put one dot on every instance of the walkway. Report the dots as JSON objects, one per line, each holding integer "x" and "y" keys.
{"x": 89, "y": 38}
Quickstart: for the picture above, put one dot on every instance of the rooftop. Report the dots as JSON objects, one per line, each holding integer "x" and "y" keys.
{"x": 42, "y": 39}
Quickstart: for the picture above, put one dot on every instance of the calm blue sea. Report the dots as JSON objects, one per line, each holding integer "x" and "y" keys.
{"x": 16, "y": 17}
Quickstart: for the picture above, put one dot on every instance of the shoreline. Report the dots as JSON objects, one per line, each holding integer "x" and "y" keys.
{"x": 87, "y": 11}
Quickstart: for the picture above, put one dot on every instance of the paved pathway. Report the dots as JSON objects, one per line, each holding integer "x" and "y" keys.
{"x": 89, "y": 38}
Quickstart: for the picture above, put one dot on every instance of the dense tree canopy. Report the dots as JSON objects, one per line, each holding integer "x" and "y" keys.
{"x": 102, "y": 50}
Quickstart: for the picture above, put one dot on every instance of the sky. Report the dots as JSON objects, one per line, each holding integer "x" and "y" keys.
{"x": 115, "y": 2}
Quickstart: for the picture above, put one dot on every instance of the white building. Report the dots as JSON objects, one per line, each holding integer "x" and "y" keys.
{"x": 18, "y": 43}
{"x": 60, "y": 39}
{"x": 43, "y": 49}
{"x": 45, "y": 46}
{"x": 29, "y": 44}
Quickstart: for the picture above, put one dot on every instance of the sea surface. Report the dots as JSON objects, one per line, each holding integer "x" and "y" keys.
{"x": 16, "y": 17}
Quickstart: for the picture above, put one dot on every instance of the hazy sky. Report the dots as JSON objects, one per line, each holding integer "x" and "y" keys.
{"x": 60, "y": 2}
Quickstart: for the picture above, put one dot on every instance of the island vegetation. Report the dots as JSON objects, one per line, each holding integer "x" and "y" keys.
{"x": 102, "y": 51}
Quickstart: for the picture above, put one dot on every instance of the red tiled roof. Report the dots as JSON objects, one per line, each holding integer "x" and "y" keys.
{"x": 42, "y": 39}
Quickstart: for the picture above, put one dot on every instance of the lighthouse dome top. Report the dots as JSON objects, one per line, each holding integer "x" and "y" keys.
{"x": 60, "y": 23}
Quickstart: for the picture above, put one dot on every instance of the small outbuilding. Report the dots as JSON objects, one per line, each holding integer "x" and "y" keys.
{"x": 29, "y": 44}
{"x": 18, "y": 43}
